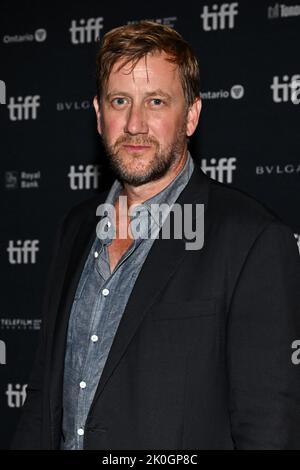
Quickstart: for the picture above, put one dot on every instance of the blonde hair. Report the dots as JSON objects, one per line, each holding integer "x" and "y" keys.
{"x": 134, "y": 41}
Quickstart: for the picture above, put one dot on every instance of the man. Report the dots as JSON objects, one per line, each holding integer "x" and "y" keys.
{"x": 147, "y": 344}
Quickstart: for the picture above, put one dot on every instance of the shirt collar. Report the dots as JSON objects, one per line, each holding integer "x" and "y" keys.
{"x": 166, "y": 196}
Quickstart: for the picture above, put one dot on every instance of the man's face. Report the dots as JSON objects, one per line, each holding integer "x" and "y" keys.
{"x": 144, "y": 120}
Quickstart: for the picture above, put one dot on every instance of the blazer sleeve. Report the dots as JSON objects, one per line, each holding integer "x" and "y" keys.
{"x": 264, "y": 320}
{"x": 29, "y": 429}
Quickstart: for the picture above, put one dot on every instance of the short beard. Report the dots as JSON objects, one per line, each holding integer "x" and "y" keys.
{"x": 160, "y": 164}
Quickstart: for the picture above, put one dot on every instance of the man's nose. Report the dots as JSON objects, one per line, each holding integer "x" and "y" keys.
{"x": 136, "y": 121}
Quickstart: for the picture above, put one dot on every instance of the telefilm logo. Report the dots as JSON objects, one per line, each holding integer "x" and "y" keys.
{"x": 24, "y": 324}
{"x": 85, "y": 30}
{"x": 287, "y": 169}
{"x": 279, "y": 10}
{"x": 23, "y": 107}
{"x": 286, "y": 89}
{"x": 85, "y": 177}
{"x": 39, "y": 35}
{"x": 297, "y": 236}
{"x": 219, "y": 16}
{"x": 2, "y": 353}
{"x": 167, "y": 21}
{"x": 16, "y": 395}
{"x": 22, "y": 179}
{"x": 236, "y": 92}
{"x": 220, "y": 170}
{"x": 2, "y": 92}
{"x": 22, "y": 252}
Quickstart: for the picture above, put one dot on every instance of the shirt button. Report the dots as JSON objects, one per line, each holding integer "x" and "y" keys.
{"x": 105, "y": 292}
{"x": 94, "y": 338}
{"x": 96, "y": 254}
{"x": 82, "y": 384}
{"x": 80, "y": 432}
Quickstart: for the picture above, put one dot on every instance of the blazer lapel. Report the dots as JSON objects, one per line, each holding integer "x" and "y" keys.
{"x": 78, "y": 243}
{"x": 163, "y": 259}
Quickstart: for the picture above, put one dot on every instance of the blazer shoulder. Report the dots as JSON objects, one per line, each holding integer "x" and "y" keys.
{"x": 236, "y": 206}
{"x": 83, "y": 210}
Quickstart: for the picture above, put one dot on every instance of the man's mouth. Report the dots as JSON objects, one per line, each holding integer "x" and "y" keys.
{"x": 136, "y": 147}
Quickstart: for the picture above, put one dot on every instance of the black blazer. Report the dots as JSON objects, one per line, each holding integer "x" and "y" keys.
{"x": 202, "y": 355}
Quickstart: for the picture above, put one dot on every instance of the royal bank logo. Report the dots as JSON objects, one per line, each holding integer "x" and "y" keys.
{"x": 84, "y": 177}
{"x": 23, "y": 324}
{"x": 16, "y": 395}
{"x": 11, "y": 179}
{"x": 220, "y": 170}
{"x": 288, "y": 169}
{"x": 22, "y": 252}
{"x": 73, "y": 105}
{"x": 297, "y": 236}
{"x": 22, "y": 180}
{"x": 236, "y": 92}
{"x": 2, "y": 92}
{"x": 280, "y": 10}
{"x": 219, "y": 17}
{"x": 286, "y": 89}
{"x": 39, "y": 35}
{"x": 23, "y": 107}
{"x": 86, "y": 30}
{"x": 167, "y": 21}
{"x": 2, "y": 353}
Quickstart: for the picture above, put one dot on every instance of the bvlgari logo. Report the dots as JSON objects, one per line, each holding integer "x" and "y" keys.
{"x": 288, "y": 169}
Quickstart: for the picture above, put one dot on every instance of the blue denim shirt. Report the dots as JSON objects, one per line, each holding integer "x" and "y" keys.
{"x": 99, "y": 303}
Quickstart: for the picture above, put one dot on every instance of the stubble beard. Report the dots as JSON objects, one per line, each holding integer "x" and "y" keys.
{"x": 156, "y": 168}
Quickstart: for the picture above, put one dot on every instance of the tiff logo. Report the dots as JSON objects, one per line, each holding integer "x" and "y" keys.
{"x": 2, "y": 353}
{"x": 85, "y": 178}
{"x": 2, "y": 92}
{"x": 17, "y": 396}
{"x": 23, "y": 252}
{"x": 87, "y": 30}
{"x": 219, "y": 17}
{"x": 286, "y": 90}
{"x": 221, "y": 171}
{"x": 23, "y": 107}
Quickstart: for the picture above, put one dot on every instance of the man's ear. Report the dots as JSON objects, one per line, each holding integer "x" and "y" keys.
{"x": 193, "y": 116}
{"x": 98, "y": 114}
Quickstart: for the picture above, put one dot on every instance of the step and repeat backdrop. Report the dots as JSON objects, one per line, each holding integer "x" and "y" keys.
{"x": 52, "y": 158}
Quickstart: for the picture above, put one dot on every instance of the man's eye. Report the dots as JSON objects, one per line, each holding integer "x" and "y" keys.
{"x": 119, "y": 102}
{"x": 157, "y": 102}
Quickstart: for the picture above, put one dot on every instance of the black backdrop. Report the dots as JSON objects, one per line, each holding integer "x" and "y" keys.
{"x": 51, "y": 156}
